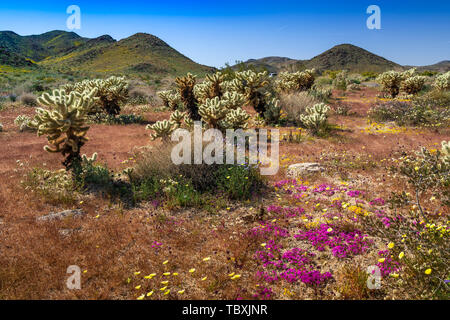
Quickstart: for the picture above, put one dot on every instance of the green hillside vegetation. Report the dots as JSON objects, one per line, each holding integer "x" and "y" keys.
{"x": 67, "y": 52}
{"x": 11, "y": 59}
{"x": 140, "y": 53}
{"x": 39, "y": 47}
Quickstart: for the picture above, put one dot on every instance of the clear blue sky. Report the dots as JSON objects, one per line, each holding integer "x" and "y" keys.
{"x": 214, "y": 32}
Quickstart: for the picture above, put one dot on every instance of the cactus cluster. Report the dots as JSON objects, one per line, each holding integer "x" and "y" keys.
{"x": 316, "y": 118}
{"x": 162, "y": 129}
{"x": 111, "y": 92}
{"x": 393, "y": 81}
{"x": 210, "y": 88}
{"x": 413, "y": 85}
{"x": 273, "y": 112}
{"x": 22, "y": 122}
{"x": 446, "y": 151}
{"x": 170, "y": 98}
{"x": 185, "y": 90}
{"x": 340, "y": 82}
{"x": 177, "y": 117}
{"x": 296, "y": 81}
{"x": 216, "y": 113}
{"x": 216, "y": 102}
{"x": 250, "y": 85}
{"x": 442, "y": 82}
{"x": 64, "y": 122}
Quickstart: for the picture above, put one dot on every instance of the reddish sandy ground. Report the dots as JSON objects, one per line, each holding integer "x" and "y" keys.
{"x": 34, "y": 256}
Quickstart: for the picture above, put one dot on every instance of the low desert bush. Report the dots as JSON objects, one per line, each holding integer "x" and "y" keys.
{"x": 28, "y": 99}
{"x": 154, "y": 172}
{"x": 123, "y": 119}
{"x": 137, "y": 96}
{"x": 410, "y": 114}
{"x": 55, "y": 187}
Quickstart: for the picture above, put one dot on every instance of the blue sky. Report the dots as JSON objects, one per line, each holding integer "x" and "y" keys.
{"x": 214, "y": 32}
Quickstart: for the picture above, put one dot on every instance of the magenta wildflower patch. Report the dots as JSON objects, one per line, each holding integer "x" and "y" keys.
{"x": 342, "y": 244}
{"x": 389, "y": 265}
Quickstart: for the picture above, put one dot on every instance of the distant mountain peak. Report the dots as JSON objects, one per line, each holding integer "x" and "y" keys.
{"x": 343, "y": 56}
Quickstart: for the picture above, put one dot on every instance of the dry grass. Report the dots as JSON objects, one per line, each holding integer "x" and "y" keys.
{"x": 294, "y": 104}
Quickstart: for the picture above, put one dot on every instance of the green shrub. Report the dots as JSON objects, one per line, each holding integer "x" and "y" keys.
{"x": 418, "y": 252}
{"x": 92, "y": 176}
{"x": 238, "y": 182}
{"x": 188, "y": 183}
{"x": 331, "y": 73}
{"x": 410, "y": 114}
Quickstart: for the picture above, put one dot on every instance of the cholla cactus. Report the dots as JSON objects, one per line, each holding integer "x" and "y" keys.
{"x": 177, "y": 118}
{"x": 213, "y": 111}
{"x": 188, "y": 121}
{"x": 64, "y": 122}
{"x": 248, "y": 84}
{"x": 111, "y": 92}
{"x": 235, "y": 119}
{"x": 273, "y": 113}
{"x": 413, "y": 85}
{"x": 442, "y": 82}
{"x": 341, "y": 81}
{"x": 316, "y": 118}
{"x": 391, "y": 81}
{"x": 233, "y": 100}
{"x": 409, "y": 73}
{"x": 170, "y": 99}
{"x": 90, "y": 160}
{"x": 446, "y": 151}
{"x": 162, "y": 129}
{"x": 23, "y": 122}
{"x": 210, "y": 88}
{"x": 224, "y": 113}
{"x": 186, "y": 92}
{"x": 296, "y": 81}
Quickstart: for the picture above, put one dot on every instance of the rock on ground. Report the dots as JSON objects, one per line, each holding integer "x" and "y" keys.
{"x": 298, "y": 169}
{"x": 61, "y": 215}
